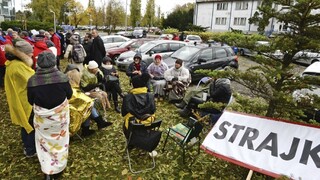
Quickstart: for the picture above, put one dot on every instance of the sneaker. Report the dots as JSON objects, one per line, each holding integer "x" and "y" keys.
{"x": 153, "y": 153}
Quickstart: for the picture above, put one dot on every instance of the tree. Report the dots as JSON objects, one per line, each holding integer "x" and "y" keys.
{"x": 76, "y": 12}
{"x": 150, "y": 13}
{"x": 274, "y": 80}
{"x": 135, "y": 10}
{"x": 180, "y": 18}
{"x": 115, "y": 14}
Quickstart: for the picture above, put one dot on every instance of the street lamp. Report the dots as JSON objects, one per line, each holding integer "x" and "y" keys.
{"x": 90, "y": 21}
{"x": 54, "y": 20}
{"x": 126, "y": 21}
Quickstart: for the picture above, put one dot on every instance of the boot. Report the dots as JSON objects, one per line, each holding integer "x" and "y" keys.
{"x": 116, "y": 107}
{"x": 180, "y": 105}
{"x": 185, "y": 112}
{"x": 86, "y": 131}
{"x": 101, "y": 123}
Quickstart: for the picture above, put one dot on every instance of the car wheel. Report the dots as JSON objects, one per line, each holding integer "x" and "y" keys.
{"x": 241, "y": 52}
{"x": 313, "y": 61}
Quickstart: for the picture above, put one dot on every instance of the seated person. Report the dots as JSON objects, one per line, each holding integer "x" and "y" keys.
{"x": 138, "y": 104}
{"x": 82, "y": 106}
{"x": 156, "y": 71}
{"x": 138, "y": 67}
{"x": 178, "y": 79}
{"x": 111, "y": 83}
{"x": 91, "y": 82}
{"x": 219, "y": 92}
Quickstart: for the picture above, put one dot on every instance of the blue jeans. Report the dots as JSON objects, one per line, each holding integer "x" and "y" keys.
{"x": 94, "y": 114}
{"x": 29, "y": 139}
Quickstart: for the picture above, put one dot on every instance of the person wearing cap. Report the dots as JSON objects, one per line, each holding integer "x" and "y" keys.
{"x": 137, "y": 67}
{"x": 48, "y": 92}
{"x": 156, "y": 71}
{"x": 82, "y": 107}
{"x": 98, "y": 51}
{"x": 138, "y": 103}
{"x": 112, "y": 83}
{"x": 74, "y": 41}
{"x": 179, "y": 78}
{"x": 18, "y": 71}
{"x": 92, "y": 82}
{"x": 39, "y": 46}
{"x": 56, "y": 40}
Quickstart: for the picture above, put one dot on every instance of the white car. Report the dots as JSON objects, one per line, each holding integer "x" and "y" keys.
{"x": 307, "y": 57}
{"x": 113, "y": 41}
{"x": 192, "y": 39}
{"x": 165, "y": 37}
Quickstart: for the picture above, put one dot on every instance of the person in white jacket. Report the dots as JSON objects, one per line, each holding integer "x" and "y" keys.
{"x": 178, "y": 79}
{"x": 74, "y": 40}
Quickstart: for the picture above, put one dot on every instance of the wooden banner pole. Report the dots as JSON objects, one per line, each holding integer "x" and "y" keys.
{"x": 249, "y": 175}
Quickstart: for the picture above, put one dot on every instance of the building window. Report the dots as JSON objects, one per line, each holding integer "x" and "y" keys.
{"x": 241, "y": 5}
{"x": 222, "y": 6}
{"x": 240, "y": 21}
{"x": 221, "y": 21}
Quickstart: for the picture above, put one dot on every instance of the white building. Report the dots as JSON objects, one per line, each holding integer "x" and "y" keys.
{"x": 6, "y": 10}
{"x": 222, "y": 15}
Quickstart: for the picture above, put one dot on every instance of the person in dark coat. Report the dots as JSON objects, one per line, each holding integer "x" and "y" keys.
{"x": 98, "y": 52}
{"x": 138, "y": 103}
{"x": 138, "y": 67}
{"x": 87, "y": 44}
{"x": 112, "y": 83}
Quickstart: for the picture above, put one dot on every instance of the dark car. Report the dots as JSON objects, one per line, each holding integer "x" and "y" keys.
{"x": 133, "y": 44}
{"x": 203, "y": 57}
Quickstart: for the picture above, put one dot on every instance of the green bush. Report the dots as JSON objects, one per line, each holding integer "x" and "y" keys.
{"x": 30, "y": 25}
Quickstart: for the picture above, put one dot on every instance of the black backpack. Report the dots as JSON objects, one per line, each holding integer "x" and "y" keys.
{"x": 77, "y": 53}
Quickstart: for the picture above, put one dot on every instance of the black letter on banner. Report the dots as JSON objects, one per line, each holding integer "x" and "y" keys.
{"x": 236, "y": 131}
{"x": 312, "y": 152}
{"x": 274, "y": 144}
{"x": 249, "y": 139}
{"x": 223, "y": 130}
{"x": 293, "y": 150}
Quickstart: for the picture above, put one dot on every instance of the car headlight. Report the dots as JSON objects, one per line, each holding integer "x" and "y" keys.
{"x": 128, "y": 60}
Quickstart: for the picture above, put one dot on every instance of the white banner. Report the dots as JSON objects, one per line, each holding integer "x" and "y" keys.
{"x": 268, "y": 146}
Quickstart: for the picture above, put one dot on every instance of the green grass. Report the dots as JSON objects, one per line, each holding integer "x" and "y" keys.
{"x": 102, "y": 156}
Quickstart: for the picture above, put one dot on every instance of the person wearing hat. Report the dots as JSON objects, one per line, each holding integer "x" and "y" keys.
{"x": 137, "y": 67}
{"x": 48, "y": 92}
{"x": 112, "y": 83}
{"x": 74, "y": 43}
{"x": 82, "y": 107}
{"x": 92, "y": 82}
{"x": 179, "y": 78}
{"x": 39, "y": 46}
{"x": 138, "y": 103}
{"x": 156, "y": 71}
{"x": 18, "y": 71}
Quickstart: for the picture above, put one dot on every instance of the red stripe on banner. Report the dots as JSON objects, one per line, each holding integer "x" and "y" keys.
{"x": 241, "y": 163}
{"x": 275, "y": 119}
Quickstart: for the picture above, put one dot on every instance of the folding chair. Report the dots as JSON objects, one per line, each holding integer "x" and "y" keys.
{"x": 145, "y": 137}
{"x": 186, "y": 135}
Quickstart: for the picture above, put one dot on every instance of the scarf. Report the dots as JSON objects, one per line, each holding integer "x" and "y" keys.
{"x": 47, "y": 76}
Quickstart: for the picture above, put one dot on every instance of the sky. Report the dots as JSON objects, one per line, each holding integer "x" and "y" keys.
{"x": 166, "y": 6}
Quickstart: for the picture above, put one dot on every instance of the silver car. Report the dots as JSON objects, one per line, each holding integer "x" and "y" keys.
{"x": 113, "y": 41}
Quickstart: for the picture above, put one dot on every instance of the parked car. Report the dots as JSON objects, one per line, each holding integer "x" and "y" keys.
{"x": 307, "y": 57}
{"x": 204, "y": 57}
{"x": 113, "y": 40}
{"x": 139, "y": 33}
{"x": 132, "y": 45}
{"x": 127, "y": 34}
{"x": 165, "y": 37}
{"x": 148, "y": 51}
{"x": 248, "y": 52}
{"x": 192, "y": 39}
{"x": 312, "y": 70}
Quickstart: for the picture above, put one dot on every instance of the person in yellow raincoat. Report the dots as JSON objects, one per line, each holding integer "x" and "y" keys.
{"x": 18, "y": 71}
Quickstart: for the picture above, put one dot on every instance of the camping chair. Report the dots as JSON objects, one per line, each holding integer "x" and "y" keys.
{"x": 145, "y": 137}
{"x": 186, "y": 135}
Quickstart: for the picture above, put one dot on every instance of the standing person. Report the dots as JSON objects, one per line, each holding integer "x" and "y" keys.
{"x": 182, "y": 37}
{"x": 25, "y": 35}
{"x": 98, "y": 52}
{"x": 48, "y": 92}
{"x": 3, "y": 58}
{"x": 179, "y": 77}
{"x": 56, "y": 41}
{"x": 112, "y": 83}
{"x": 9, "y": 35}
{"x": 39, "y": 46}
{"x": 62, "y": 42}
{"x": 18, "y": 71}
{"x": 87, "y": 44}
{"x": 156, "y": 71}
{"x": 175, "y": 37}
{"x": 75, "y": 52}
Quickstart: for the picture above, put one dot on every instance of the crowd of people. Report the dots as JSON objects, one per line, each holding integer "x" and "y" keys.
{"x": 50, "y": 104}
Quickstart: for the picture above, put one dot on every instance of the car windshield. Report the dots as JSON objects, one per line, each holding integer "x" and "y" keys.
{"x": 185, "y": 53}
{"x": 145, "y": 47}
{"x": 193, "y": 37}
{"x": 123, "y": 45}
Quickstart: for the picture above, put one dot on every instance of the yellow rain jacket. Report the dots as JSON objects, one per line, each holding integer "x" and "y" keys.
{"x": 16, "y": 79}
